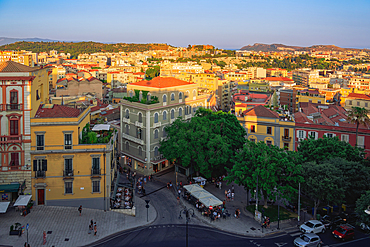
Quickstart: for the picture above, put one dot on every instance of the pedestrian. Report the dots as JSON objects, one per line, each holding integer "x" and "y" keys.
{"x": 226, "y": 194}
{"x": 232, "y": 196}
{"x": 149, "y": 178}
{"x": 268, "y": 222}
{"x": 90, "y": 228}
{"x": 232, "y": 189}
{"x": 80, "y": 209}
{"x": 144, "y": 180}
{"x": 170, "y": 185}
{"x": 224, "y": 204}
{"x": 181, "y": 184}
{"x": 179, "y": 192}
{"x": 28, "y": 245}
{"x": 25, "y": 244}
{"x": 220, "y": 185}
{"x": 95, "y": 229}
{"x": 178, "y": 200}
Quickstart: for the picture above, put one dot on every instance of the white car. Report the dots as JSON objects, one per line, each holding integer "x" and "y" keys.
{"x": 313, "y": 226}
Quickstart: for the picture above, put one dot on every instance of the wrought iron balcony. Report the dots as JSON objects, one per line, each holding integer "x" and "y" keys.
{"x": 286, "y": 138}
{"x": 95, "y": 172}
{"x": 40, "y": 174}
{"x": 68, "y": 173}
{"x": 11, "y": 139}
{"x": 14, "y": 107}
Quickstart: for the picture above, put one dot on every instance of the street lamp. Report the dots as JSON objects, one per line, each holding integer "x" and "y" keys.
{"x": 187, "y": 215}
{"x": 147, "y": 210}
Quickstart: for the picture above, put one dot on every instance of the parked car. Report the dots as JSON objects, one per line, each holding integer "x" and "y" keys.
{"x": 331, "y": 222}
{"x": 313, "y": 226}
{"x": 350, "y": 218}
{"x": 308, "y": 240}
{"x": 344, "y": 232}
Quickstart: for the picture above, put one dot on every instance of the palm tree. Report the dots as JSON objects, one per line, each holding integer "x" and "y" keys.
{"x": 358, "y": 116}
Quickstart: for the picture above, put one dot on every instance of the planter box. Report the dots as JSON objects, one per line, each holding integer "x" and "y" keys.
{"x": 15, "y": 232}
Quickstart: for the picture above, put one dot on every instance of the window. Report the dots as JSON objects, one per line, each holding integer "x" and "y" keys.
{"x": 269, "y": 130}
{"x": 14, "y": 127}
{"x": 127, "y": 146}
{"x": 164, "y": 115}
{"x": 156, "y": 134}
{"x": 330, "y": 135}
{"x": 286, "y": 132}
{"x": 14, "y": 159}
{"x": 140, "y": 151}
{"x": 253, "y": 129}
{"x": 37, "y": 95}
{"x": 319, "y": 101}
{"x": 361, "y": 141}
{"x": 40, "y": 144}
{"x": 269, "y": 143}
{"x": 172, "y": 114}
{"x": 180, "y": 95}
{"x": 67, "y": 141}
{"x": 164, "y": 133}
{"x": 139, "y": 133}
{"x": 180, "y": 112}
{"x": 349, "y": 102}
{"x": 127, "y": 129}
{"x": 95, "y": 165}
{"x": 313, "y": 134}
{"x": 68, "y": 165}
{"x": 194, "y": 93}
{"x": 253, "y": 140}
{"x": 345, "y": 138}
{"x": 164, "y": 98}
{"x": 366, "y": 104}
{"x": 68, "y": 187}
{"x": 358, "y": 103}
{"x": 172, "y": 97}
{"x": 40, "y": 165}
{"x": 186, "y": 110}
{"x": 156, "y": 152}
{"x": 95, "y": 186}
{"x": 156, "y": 117}
{"x": 140, "y": 117}
{"x": 127, "y": 114}
{"x": 189, "y": 111}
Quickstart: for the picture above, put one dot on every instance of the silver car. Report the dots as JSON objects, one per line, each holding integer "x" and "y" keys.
{"x": 308, "y": 240}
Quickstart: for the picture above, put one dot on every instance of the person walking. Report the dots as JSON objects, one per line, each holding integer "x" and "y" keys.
{"x": 220, "y": 185}
{"x": 95, "y": 229}
{"x": 90, "y": 228}
{"x": 80, "y": 209}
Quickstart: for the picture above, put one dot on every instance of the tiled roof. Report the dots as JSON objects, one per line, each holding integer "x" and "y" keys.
{"x": 261, "y": 111}
{"x": 300, "y": 117}
{"x": 358, "y": 96}
{"x": 162, "y": 82}
{"x": 57, "y": 111}
{"x": 278, "y": 79}
{"x": 10, "y": 66}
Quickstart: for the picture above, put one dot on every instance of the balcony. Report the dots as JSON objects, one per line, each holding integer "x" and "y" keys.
{"x": 138, "y": 124}
{"x": 14, "y": 107}
{"x": 156, "y": 125}
{"x": 187, "y": 116}
{"x": 131, "y": 138}
{"x": 286, "y": 138}
{"x": 11, "y": 139}
{"x": 39, "y": 174}
{"x": 68, "y": 173}
{"x": 95, "y": 172}
{"x": 126, "y": 120}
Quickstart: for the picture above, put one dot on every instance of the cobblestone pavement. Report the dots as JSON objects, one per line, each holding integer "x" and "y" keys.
{"x": 66, "y": 228}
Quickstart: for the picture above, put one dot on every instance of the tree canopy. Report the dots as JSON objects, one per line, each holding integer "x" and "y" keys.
{"x": 358, "y": 115}
{"x": 206, "y": 143}
{"x": 361, "y": 205}
{"x": 277, "y": 170}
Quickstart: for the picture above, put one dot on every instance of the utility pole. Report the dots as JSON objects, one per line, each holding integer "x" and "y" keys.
{"x": 257, "y": 195}
{"x": 299, "y": 202}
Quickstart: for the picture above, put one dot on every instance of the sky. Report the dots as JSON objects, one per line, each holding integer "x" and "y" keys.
{"x": 225, "y": 24}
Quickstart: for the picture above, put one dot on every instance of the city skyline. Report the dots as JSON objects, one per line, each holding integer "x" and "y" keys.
{"x": 231, "y": 24}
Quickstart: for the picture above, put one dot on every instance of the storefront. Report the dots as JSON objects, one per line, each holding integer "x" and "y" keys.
{"x": 9, "y": 192}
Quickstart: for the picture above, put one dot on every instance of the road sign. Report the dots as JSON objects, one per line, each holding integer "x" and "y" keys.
{"x": 27, "y": 226}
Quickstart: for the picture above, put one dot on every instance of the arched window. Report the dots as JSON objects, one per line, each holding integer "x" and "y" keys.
{"x": 131, "y": 93}
{"x": 194, "y": 93}
{"x": 189, "y": 112}
{"x": 127, "y": 114}
{"x": 164, "y": 98}
{"x": 172, "y": 96}
{"x": 172, "y": 114}
{"x": 180, "y": 95}
{"x": 156, "y": 152}
{"x": 180, "y": 112}
{"x": 140, "y": 117}
{"x": 156, "y": 134}
{"x": 127, "y": 146}
{"x": 164, "y": 133}
{"x": 164, "y": 115}
{"x": 156, "y": 117}
{"x": 127, "y": 129}
{"x": 140, "y": 151}
{"x": 186, "y": 110}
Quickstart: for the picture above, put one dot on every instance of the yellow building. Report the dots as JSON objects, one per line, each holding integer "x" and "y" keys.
{"x": 310, "y": 95}
{"x": 263, "y": 124}
{"x": 205, "y": 81}
{"x": 66, "y": 171}
{"x": 22, "y": 57}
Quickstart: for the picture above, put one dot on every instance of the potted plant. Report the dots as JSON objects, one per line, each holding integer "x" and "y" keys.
{"x": 15, "y": 229}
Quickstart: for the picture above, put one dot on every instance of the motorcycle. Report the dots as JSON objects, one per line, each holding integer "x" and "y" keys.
{"x": 365, "y": 227}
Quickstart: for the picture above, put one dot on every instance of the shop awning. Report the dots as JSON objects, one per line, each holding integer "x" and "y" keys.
{"x": 199, "y": 179}
{"x": 192, "y": 187}
{"x": 210, "y": 201}
{"x": 99, "y": 127}
{"x": 23, "y": 200}
{"x": 4, "y": 188}
{"x": 3, "y": 207}
{"x": 201, "y": 193}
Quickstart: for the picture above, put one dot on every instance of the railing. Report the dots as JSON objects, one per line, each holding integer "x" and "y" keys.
{"x": 95, "y": 172}
{"x": 11, "y": 139}
{"x": 286, "y": 138}
{"x": 126, "y": 120}
{"x": 131, "y": 138}
{"x": 155, "y": 125}
{"x": 187, "y": 116}
{"x": 68, "y": 173}
{"x": 138, "y": 124}
{"x": 39, "y": 174}
{"x": 14, "y": 107}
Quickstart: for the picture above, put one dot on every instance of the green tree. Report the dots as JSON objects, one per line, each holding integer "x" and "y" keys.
{"x": 361, "y": 205}
{"x": 150, "y": 73}
{"x": 277, "y": 170}
{"x": 275, "y": 99}
{"x": 206, "y": 143}
{"x": 358, "y": 116}
{"x": 323, "y": 182}
{"x": 324, "y": 148}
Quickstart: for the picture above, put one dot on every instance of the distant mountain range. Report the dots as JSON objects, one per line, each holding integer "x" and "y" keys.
{"x": 281, "y": 47}
{"x": 6, "y": 40}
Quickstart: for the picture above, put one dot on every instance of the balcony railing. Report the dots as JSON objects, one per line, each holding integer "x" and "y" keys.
{"x": 11, "y": 139}
{"x": 155, "y": 125}
{"x": 131, "y": 138}
{"x": 126, "y": 120}
{"x": 14, "y": 107}
{"x": 138, "y": 124}
{"x": 39, "y": 174}
{"x": 286, "y": 138}
{"x": 95, "y": 172}
{"x": 68, "y": 173}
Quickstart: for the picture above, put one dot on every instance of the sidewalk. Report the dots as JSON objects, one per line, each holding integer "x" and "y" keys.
{"x": 245, "y": 225}
{"x": 66, "y": 228}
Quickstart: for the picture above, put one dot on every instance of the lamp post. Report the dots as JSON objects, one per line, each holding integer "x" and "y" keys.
{"x": 299, "y": 203}
{"x": 187, "y": 215}
{"x": 147, "y": 210}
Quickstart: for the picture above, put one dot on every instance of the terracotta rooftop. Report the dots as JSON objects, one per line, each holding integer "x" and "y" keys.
{"x": 57, "y": 111}
{"x": 278, "y": 79}
{"x": 162, "y": 82}
{"x": 358, "y": 96}
{"x": 261, "y": 111}
{"x": 10, "y": 66}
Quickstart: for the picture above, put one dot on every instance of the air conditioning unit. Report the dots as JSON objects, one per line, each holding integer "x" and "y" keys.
{"x": 69, "y": 174}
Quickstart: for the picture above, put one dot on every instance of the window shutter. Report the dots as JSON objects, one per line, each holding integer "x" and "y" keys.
{"x": 326, "y": 134}
{"x": 44, "y": 165}
{"x": 304, "y": 134}
{"x": 35, "y": 165}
